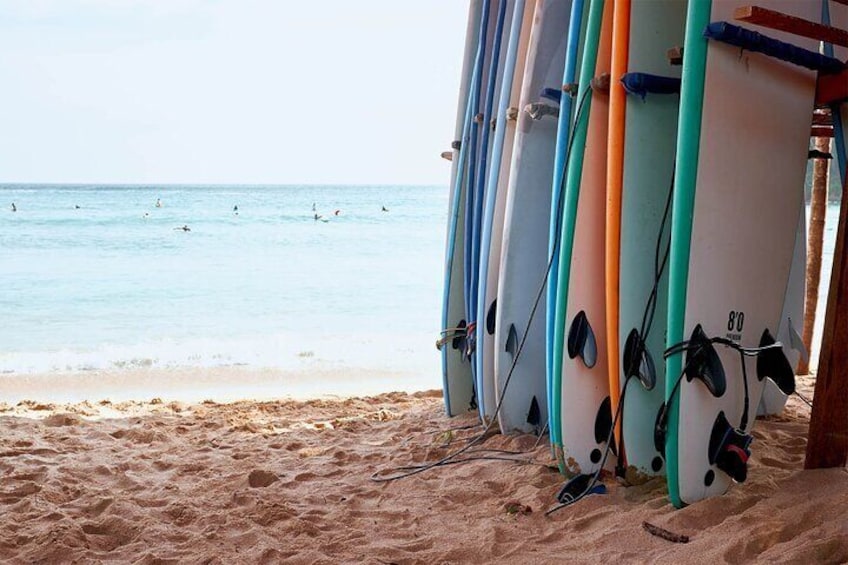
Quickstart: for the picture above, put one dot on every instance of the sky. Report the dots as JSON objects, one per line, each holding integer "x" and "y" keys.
{"x": 229, "y": 91}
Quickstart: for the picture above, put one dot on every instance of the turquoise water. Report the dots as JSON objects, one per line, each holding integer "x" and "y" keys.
{"x": 113, "y": 285}
{"x": 106, "y": 287}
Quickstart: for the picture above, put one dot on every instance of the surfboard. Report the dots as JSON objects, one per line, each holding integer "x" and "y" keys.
{"x": 456, "y": 371}
{"x": 773, "y": 400}
{"x": 792, "y": 320}
{"x": 581, "y": 378}
{"x": 576, "y": 27}
{"x": 524, "y": 257}
{"x": 737, "y": 197}
{"x": 476, "y": 193}
{"x": 493, "y": 215}
{"x": 644, "y": 106}
{"x": 498, "y": 62}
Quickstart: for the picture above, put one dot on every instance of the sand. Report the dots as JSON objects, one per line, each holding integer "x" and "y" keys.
{"x": 289, "y": 481}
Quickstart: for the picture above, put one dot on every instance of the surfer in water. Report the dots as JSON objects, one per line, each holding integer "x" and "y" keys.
{"x": 235, "y": 210}
{"x": 14, "y": 208}
{"x": 385, "y": 209}
{"x": 158, "y": 203}
{"x": 183, "y": 227}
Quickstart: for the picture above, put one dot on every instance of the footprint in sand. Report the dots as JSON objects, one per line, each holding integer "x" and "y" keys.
{"x": 110, "y": 533}
{"x": 261, "y": 479}
{"x": 19, "y": 493}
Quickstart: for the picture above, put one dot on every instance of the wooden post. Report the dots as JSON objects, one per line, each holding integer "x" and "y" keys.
{"x": 827, "y": 444}
{"x": 818, "y": 210}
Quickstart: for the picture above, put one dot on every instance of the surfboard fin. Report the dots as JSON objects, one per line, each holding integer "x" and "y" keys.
{"x": 581, "y": 340}
{"x": 660, "y": 429}
{"x": 729, "y": 449}
{"x": 796, "y": 342}
{"x": 772, "y": 363}
{"x": 512, "y": 340}
{"x": 603, "y": 423}
{"x": 703, "y": 363}
{"x": 534, "y": 415}
{"x": 490, "y": 317}
{"x": 637, "y": 361}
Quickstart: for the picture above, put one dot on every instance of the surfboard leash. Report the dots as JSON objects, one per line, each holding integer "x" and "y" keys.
{"x": 449, "y": 459}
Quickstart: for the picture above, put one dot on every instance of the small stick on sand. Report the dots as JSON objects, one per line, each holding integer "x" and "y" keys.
{"x": 665, "y": 534}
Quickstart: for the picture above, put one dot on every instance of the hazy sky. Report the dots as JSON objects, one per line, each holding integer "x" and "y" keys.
{"x": 228, "y": 91}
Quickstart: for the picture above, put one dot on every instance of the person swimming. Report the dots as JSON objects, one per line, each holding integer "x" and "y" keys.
{"x": 184, "y": 228}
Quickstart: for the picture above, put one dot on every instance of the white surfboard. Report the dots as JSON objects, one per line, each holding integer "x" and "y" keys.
{"x": 456, "y": 370}
{"x": 524, "y": 254}
{"x": 496, "y": 189}
{"x": 738, "y": 196}
{"x": 792, "y": 320}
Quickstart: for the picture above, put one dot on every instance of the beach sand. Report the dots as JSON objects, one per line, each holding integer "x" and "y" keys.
{"x": 290, "y": 481}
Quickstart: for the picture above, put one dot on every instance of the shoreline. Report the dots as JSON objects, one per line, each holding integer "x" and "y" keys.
{"x": 218, "y": 384}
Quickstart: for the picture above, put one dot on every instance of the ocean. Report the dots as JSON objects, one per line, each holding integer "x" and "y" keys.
{"x": 100, "y": 278}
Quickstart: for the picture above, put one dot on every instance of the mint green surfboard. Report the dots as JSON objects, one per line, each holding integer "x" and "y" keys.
{"x": 576, "y": 407}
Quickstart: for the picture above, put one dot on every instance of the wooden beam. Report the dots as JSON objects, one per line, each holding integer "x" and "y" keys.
{"x": 821, "y": 131}
{"x": 675, "y": 55}
{"x": 832, "y": 89}
{"x": 827, "y": 444}
{"x": 822, "y": 119}
{"x": 791, "y": 24}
